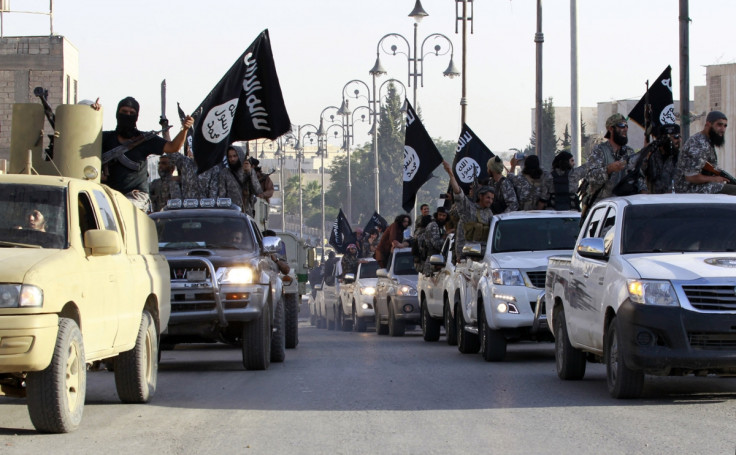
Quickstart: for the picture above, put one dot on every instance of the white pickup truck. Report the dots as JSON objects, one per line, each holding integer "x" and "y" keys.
{"x": 496, "y": 291}
{"x": 434, "y": 295}
{"x": 355, "y": 302}
{"x": 650, "y": 289}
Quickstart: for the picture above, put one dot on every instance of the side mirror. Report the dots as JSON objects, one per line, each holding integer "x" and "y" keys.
{"x": 272, "y": 245}
{"x": 382, "y": 273}
{"x": 102, "y": 242}
{"x": 349, "y": 277}
{"x": 473, "y": 249}
{"x": 592, "y": 247}
{"x": 437, "y": 260}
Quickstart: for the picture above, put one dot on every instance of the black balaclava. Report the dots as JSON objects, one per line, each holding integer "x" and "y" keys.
{"x": 126, "y": 123}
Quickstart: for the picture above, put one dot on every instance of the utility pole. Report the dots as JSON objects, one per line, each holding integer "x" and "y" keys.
{"x": 539, "y": 39}
{"x": 684, "y": 70}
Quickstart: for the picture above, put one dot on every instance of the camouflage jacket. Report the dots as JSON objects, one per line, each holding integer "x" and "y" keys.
{"x": 241, "y": 189}
{"x": 528, "y": 190}
{"x": 696, "y": 151}
{"x": 598, "y": 178}
{"x": 349, "y": 264}
{"x": 433, "y": 239}
{"x": 659, "y": 169}
{"x": 574, "y": 177}
{"x": 505, "y": 199}
{"x": 163, "y": 189}
{"x": 195, "y": 186}
{"x": 468, "y": 211}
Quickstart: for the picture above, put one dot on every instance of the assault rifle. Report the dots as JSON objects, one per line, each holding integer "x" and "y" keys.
{"x": 43, "y": 94}
{"x": 719, "y": 172}
{"x": 119, "y": 151}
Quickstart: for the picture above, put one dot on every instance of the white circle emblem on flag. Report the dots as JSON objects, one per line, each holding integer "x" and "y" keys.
{"x": 411, "y": 163}
{"x": 467, "y": 169}
{"x": 668, "y": 115}
{"x": 218, "y": 121}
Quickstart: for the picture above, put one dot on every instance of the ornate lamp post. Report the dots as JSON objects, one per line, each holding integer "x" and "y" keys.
{"x": 322, "y": 150}
{"x": 300, "y": 156}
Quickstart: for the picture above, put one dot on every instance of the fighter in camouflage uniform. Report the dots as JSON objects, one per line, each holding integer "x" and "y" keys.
{"x": 434, "y": 237}
{"x": 529, "y": 183}
{"x": 698, "y": 149}
{"x": 659, "y": 167}
{"x": 467, "y": 210}
{"x": 239, "y": 181}
{"x": 505, "y": 196}
{"x": 610, "y": 161}
{"x": 563, "y": 197}
{"x": 164, "y": 188}
{"x": 195, "y": 186}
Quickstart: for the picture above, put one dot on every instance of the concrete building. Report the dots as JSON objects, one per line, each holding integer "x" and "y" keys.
{"x": 719, "y": 94}
{"x": 26, "y": 62}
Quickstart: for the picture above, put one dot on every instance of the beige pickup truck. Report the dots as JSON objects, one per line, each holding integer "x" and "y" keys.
{"x": 82, "y": 285}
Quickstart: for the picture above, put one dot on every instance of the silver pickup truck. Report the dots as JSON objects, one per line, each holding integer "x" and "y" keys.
{"x": 224, "y": 286}
{"x": 649, "y": 289}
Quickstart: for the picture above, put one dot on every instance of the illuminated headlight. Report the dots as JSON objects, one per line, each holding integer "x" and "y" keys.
{"x": 507, "y": 308}
{"x": 507, "y": 277}
{"x": 368, "y": 290}
{"x": 406, "y": 290}
{"x": 235, "y": 275}
{"x": 647, "y": 292}
{"x": 20, "y": 296}
{"x": 366, "y": 306}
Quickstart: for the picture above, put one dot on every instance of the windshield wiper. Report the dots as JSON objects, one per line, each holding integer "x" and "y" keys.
{"x": 21, "y": 245}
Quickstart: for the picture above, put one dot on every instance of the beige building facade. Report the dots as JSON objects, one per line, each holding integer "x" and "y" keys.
{"x": 27, "y": 62}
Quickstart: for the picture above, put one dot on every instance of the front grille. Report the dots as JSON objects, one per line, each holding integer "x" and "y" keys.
{"x": 711, "y": 298}
{"x": 712, "y": 341}
{"x": 537, "y": 278}
{"x": 192, "y": 306}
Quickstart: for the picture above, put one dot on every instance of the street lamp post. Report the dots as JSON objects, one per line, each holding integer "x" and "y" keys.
{"x": 415, "y": 54}
{"x": 345, "y": 112}
{"x": 300, "y": 156}
{"x": 322, "y": 148}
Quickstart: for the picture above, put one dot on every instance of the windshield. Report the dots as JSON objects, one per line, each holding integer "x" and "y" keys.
{"x": 679, "y": 228}
{"x": 33, "y": 216}
{"x": 404, "y": 264}
{"x": 535, "y": 234}
{"x": 368, "y": 269}
{"x": 183, "y": 233}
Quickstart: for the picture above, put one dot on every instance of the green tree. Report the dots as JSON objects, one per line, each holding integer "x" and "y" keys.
{"x": 566, "y": 141}
{"x": 549, "y": 139}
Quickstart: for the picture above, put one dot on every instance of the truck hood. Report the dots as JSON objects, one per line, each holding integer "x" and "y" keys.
{"x": 411, "y": 280}
{"x": 684, "y": 266}
{"x": 526, "y": 260}
{"x": 19, "y": 261}
{"x": 366, "y": 282}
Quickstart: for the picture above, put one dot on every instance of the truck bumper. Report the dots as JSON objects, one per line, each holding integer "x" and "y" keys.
{"x": 365, "y": 307}
{"x": 406, "y": 307}
{"x": 27, "y": 342}
{"x": 664, "y": 340}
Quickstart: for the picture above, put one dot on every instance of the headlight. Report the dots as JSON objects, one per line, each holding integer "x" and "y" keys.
{"x": 406, "y": 290}
{"x": 507, "y": 277}
{"x": 235, "y": 275}
{"x": 647, "y": 292}
{"x": 368, "y": 290}
{"x": 20, "y": 296}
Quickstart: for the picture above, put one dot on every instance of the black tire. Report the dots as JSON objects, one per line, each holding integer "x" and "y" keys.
{"x": 321, "y": 323}
{"x": 278, "y": 333}
{"x": 312, "y": 320}
{"x": 347, "y": 324}
{"x": 338, "y": 317}
{"x": 467, "y": 342}
{"x": 430, "y": 325}
{"x": 396, "y": 327}
{"x": 136, "y": 371}
{"x": 570, "y": 362}
{"x": 257, "y": 342}
{"x": 291, "y": 305}
{"x": 492, "y": 342}
{"x": 622, "y": 381}
{"x": 331, "y": 324}
{"x": 56, "y": 394}
{"x": 380, "y": 329}
{"x": 359, "y": 324}
{"x": 450, "y": 332}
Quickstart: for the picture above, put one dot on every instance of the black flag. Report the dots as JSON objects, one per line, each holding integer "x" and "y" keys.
{"x": 376, "y": 220}
{"x": 246, "y": 104}
{"x": 342, "y": 234}
{"x": 470, "y": 160}
{"x": 661, "y": 101}
{"x": 421, "y": 157}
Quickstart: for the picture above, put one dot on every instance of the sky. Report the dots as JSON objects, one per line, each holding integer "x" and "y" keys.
{"x": 127, "y": 48}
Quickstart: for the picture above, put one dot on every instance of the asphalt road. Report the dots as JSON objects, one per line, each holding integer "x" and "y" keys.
{"x": 361, "y": 393}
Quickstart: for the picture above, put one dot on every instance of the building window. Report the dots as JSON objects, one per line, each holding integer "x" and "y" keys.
{"x": 68, "y": 88}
